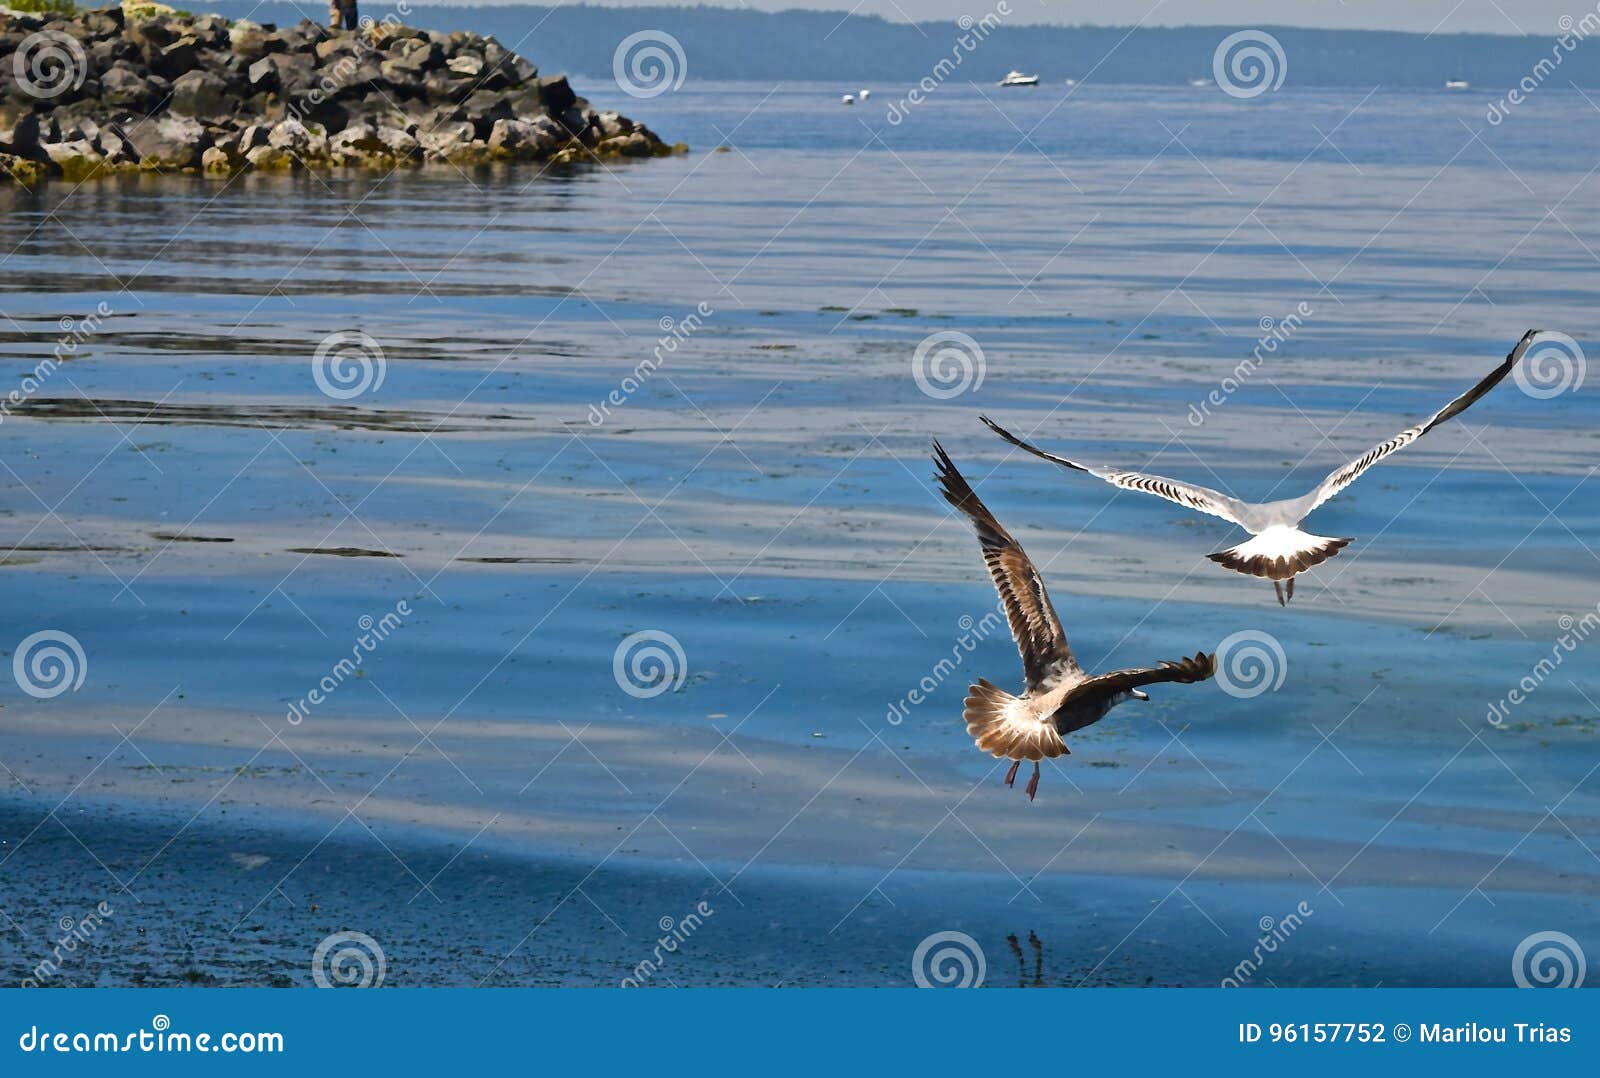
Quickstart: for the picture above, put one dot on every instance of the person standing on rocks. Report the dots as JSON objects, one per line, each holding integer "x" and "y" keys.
{"x": 342, "y": 15}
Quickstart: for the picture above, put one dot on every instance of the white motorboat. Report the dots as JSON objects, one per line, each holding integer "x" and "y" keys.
{"x": 1017, "y": 78}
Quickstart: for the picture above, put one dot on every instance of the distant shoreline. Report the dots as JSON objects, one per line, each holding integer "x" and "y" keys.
{"x": 723, "y": 43}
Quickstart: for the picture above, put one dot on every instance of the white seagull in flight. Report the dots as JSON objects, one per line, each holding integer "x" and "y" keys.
{"x": 1277, "y": 549}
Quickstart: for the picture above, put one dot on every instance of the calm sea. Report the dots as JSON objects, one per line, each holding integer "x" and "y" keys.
{"x": 547, "y": 413}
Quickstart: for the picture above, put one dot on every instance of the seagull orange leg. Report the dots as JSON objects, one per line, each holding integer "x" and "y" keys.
{"x": 1011, "y": 776}
{"x": 1033, "y": 783}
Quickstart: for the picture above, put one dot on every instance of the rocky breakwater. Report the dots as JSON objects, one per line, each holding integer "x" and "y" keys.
{"x": 148, "y": 88}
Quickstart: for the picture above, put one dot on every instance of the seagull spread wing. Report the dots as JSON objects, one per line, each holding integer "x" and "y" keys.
{"x": 1342, "y": 477}
{"x": 1034, "y": 624}
{"x": 1203, "y": 499}
{"x": 1186, "y": 671}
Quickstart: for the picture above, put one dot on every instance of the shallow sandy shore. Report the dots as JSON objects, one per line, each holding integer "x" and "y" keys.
{"x": 239, "y": 904}
{"x": 243, "y": 846}
{"x": 588, "y": 790}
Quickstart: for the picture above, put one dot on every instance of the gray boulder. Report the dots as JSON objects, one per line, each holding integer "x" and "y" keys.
{"x": 402, "y": 144}
{"x": 220, "y": 159}
{"x": 176, "y": 59}
{"x": 23, "y": 138}
{"x": 167, "y": 142}
{"x": 151, "y": 35}
{"x": 103, "y": 24}
{"x": 247, "y": 39}
{"x": 294, "y": 137}
{"x": 297, "y": 73}
{"x": 108, "y": 51}
{"x": 392, "y": 76}
{"x": 522, "y": 139}
{"x": 200, "y": 94}
{"x": 360, "y": 138}
{"x": 336, "y": 45}
{"x": 612, "y": 124}
{"x": 73, "y": 152}
{"x": 252, "y": 136}
{"x": 416, "y": 57}
{"x": 116, "y": 148}
{"x": 444, "y": 141}
{"x": 632, "y": 144}
{"x": 556, "y": 93}
{"x": 262, "y": 75}
{"x": 483, "y": 108}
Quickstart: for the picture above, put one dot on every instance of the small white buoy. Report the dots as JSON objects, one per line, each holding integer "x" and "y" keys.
{"x": 847, "y": 100}
{"x": 864, "y": 94}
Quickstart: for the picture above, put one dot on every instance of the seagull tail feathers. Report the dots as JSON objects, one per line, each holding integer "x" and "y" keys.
{"x": 1000, "y": 724}
{"x": 1279, "y": 553}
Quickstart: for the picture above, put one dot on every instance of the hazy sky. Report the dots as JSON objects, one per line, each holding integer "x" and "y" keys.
{"x": 1443, "y": 16}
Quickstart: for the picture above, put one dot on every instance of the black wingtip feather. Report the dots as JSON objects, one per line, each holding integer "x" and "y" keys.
{"x": 958, "y": 492}
{"x": 1198, "y": 667}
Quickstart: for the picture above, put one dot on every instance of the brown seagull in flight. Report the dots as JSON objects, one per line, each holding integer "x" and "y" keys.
{"x": 1277, "y": 549}
{"x": 1059, "y": 696}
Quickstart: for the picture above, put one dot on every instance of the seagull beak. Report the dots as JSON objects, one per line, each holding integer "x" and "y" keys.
{"x": 1140, "y": 694}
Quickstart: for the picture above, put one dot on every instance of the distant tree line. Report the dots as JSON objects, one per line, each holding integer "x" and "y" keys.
{"x": 728, "y": 43}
